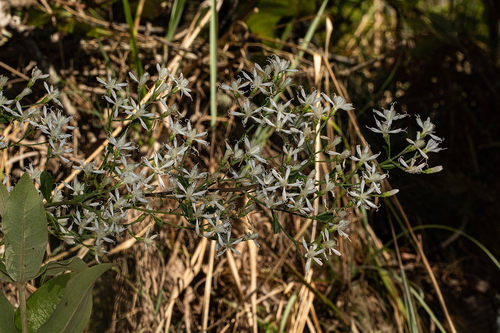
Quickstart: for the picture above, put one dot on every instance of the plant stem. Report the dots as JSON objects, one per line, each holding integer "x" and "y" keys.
{"x": 21, "y": 288}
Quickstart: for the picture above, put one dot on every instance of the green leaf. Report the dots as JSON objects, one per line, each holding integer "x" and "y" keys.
{"x": 276, "y": 224}
{"x": 73, "y": 311}
{"x": 25, "y": 227}
{"x": 46, "y": 184}
{"x": 41, "y": 304}
{"x": 4, "y": 195}
{"x": 324, "y": 217}
{"x": 3, "y": 274}
{"x": 52, "y": 268}
{"x": 6, "y": 315}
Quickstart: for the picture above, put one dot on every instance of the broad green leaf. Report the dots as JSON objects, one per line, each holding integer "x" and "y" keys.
{"x": 4, "y": 195}
{"x": 42, "y": 303}
{"x": 74, "y": 264}
{"x": 25, "y": 228}
{"x": 6, "y": 315}
{"x": 3, "y": 274}
{"x": 73, "y": 311}
{"x": 272, "y": 12}
{"x": 46, "y": 184}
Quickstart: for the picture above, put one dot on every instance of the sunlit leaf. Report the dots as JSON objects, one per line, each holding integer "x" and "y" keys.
{"x": 25, "y": 227}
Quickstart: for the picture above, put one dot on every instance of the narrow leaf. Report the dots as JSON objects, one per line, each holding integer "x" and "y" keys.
{"x": 25, "y": 227}
{"x": 4, "y": 195}
{"x": 276, "y": 224}
{"x": 41, "y": 304}
{"x": 73, "y": 311}
{"x": 6, "y": 315}
{"x": 46, "y": 184}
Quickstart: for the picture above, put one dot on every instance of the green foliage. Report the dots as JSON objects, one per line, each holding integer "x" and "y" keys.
{"x": 25, "y": 227}
{"x": 46, "y": 184}
{"x": 73, "y": 311}
{"x": 42, "y": 302}
{"x": 6, "y": 315}
{"x": 53, "y": 307}
{"x": 4, "y": 195}
{"x": 272, "y": 12}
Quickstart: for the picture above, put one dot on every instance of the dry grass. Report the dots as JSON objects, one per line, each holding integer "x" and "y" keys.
{"x": 179, "y": 287}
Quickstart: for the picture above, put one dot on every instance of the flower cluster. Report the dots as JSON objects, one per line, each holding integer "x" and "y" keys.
{"x": 98, "y": 203}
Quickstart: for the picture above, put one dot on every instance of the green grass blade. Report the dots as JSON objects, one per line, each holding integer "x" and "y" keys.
{"x": 213, "y": 65}
{"x": 133, "y": 41}
{"x": 286, "y": 314}
{"x": 175, "y": 17}
{"x": 312, "y": 28}
{"x": 417, "y": 296}
{"x": 461, "y": 233}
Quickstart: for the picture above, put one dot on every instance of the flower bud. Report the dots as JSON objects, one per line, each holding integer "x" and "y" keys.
{"x": 389, "y": 193}
{"x": 434, "y": 169}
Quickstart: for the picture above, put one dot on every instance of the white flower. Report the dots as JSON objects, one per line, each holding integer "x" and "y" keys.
{"x": 162, "y": 72}
{"x": 427, "y": 128}
{"x": 111, "y": 85}
{"x": 53, "y": 94}
{"x": 412, "y": 168}
{"x": 193, "y": 135}
{"x": 282, "y": 181}
{"x": 434, "y": 169}
{"x": 88, "y": 168}
{"x": 219, "y": 228}
{"x": 182, "y": 84}
{"x": 230, "y": 245}
{"x": 257, "y": 82}
{"x": 149, "y": 240}
{"x": 60, "y": 150}
{"x": 308, "y": 99}
{"x": 385, "y": 128}
{"x": 121, "y": 143}
{"x": 142, "y": 81}
{"x": 417, "y": 144}
{"x": 247, "y": 113}
{"x": 158, "y": 168}
{"x": 363, "y": 156}
{"x": 341, "y": 226}
{"x": 338, "y": 102}
{"x": 23, "y": 116}
{"x": 250, "y": 235}
{"x": 373, "y": 176}
{"x": 280, "y": 65}
{"x": 3, "y": 81}
{"x": 235, "y": 86}
{"x": 189, "y": 194}
{"x": 390, "y": 115}
{"x": 432, "y": 147}
{"x": 77, "y": 188}
{"x": 34, "y": 173}
{"x": 253, "y": 151}
{"x": 4, "y": 101}
{"x": 362, "y": 197}
{"x": 35, "y": 75}
{"x": 175, "y": 153}
{"x": 318, "y": 112}
{"x": 329, "y": 244}
{"x": 139, "y": 113}
{"x": 311, "y": 254}
{"x": 117, "y": 103}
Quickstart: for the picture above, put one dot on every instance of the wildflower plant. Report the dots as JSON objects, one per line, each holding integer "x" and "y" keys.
{"x": 96, "y": 206}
